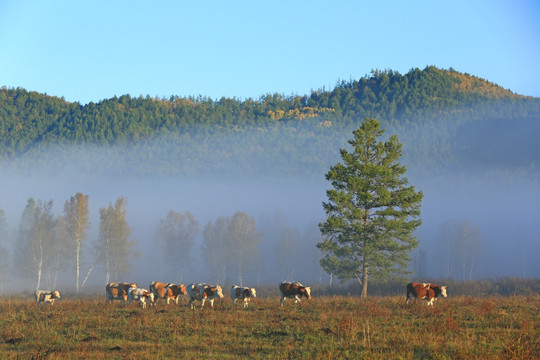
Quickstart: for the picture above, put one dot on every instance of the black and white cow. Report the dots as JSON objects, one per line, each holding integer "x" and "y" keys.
{"x": 140, "y": 295}
{"x": 242, "y": 293}
{"x": 46, "y": 297}
{"x": 203, "y": 292}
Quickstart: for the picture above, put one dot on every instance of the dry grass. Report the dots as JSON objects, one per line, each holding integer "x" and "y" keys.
{"x": 324, "y": 328}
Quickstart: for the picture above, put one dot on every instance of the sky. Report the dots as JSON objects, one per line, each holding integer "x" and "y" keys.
{"x": 87, "y": 51}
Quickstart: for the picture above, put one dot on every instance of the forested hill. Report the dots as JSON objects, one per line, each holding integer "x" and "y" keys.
{"x": 275, "y": 134}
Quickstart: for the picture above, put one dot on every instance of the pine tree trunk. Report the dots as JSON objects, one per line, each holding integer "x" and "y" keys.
{"x": 364, "y": 282}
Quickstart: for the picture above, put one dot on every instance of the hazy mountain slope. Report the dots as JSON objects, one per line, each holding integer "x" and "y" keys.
{"x": 443, "y": 117}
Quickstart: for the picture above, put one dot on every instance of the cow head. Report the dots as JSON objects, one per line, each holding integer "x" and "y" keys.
{"x": 55, "y": 294}
{"x": 443, "y": 291}
{"x": 253, "y": 292}
{"x": 218, "y": 291}
{"x": 306, "y": 291}
{"x": 132, "y": 285}
{"x": 183, "y": 290}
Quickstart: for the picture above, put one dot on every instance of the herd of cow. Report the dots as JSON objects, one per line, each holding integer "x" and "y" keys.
{"x": 205, "y": 292}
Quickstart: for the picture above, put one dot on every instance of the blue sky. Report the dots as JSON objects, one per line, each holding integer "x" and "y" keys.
{"x": 92, "y": 50}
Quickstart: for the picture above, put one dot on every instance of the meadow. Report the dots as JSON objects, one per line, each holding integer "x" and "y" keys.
{"x": 333, "y": 327}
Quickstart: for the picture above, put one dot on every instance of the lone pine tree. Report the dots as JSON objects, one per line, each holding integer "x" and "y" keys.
{"x": 372, "y": 211}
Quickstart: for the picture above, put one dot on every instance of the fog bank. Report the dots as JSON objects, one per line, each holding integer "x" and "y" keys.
{"x": 501, "y": 205}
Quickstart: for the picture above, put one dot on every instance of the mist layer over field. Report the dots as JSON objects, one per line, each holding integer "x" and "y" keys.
{"x": 498, "y": 200}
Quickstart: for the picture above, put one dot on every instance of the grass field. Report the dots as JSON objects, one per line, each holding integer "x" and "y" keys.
{"x": 323, "y": 328}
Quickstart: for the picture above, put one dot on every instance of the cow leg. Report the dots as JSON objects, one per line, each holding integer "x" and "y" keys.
{"x": 282, "y": 300}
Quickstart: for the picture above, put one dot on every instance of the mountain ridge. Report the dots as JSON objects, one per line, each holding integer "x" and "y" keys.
{"x": 428, "y": 108}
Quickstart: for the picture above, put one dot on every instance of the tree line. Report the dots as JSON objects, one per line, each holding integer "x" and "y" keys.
{"x": 45, "y": 247}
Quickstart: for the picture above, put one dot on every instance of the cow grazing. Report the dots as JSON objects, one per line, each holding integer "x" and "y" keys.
{"x": 46, "y": 297}
{"x": 203, "y": 292}
{"x": 293, "y": 290}
{"x": 140, "y": 295}
{"x": 242, "y": 293}
{"x": 118, "y": 291}
{"x": 427, "y": 291}
{"x": 167, "y": 291}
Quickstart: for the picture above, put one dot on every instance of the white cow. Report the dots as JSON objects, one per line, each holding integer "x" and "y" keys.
{"x": 242, "y": 293}
{"x": 141, "y": 295}
{"x": 46, "y": 297}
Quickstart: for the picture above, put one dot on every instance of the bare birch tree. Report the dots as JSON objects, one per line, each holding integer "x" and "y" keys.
{"x": 4, "y": 252}
{"x": 114, "y": 249}
{"x": 214, "y": 248}
{"x": 285, "y": 251}
{"x": 75, "y": 222}
{"x": 461, "y": 244}
{"x": 36, "y": 240}
{"x": 242, "y": 243}
{"x": 177, "y": 235}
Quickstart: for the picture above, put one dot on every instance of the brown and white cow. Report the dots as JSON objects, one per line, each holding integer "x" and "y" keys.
{"x": 118, "y": 291}
{"x": 427, "y": 291}
{"x": 203, "y": 292}
{"x": 140, "y": 295}
{"x": 242, "y": 293}
{"x": 293, "y": 290}
{"x": 167, "y": 291}
{"x": 46, "y": 297}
